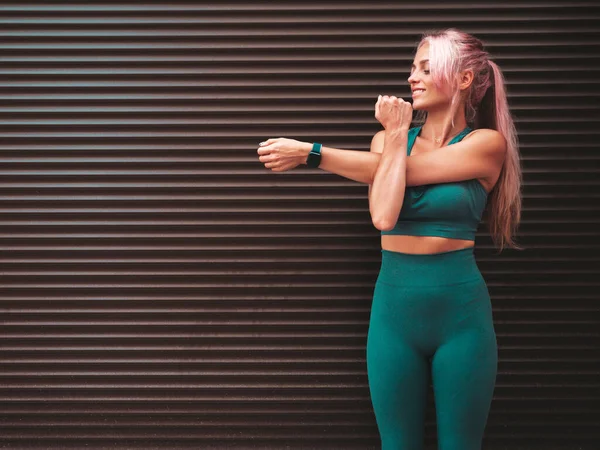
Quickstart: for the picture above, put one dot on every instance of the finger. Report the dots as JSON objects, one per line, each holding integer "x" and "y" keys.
{"x": 267, "y": 158}
{"x": 268, "y": 142}
{"x": 264, "y": 150}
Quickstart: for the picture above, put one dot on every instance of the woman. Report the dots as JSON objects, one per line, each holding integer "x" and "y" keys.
{"x": 428, "y": 188}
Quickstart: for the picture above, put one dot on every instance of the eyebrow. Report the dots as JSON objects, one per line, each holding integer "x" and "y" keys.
{"x": 420, "y": 62}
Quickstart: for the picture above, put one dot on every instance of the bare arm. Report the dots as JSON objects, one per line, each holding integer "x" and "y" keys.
{"x": 376, "y": 148}
{"x": 479, "y": 155}
{"x": 386, "y": 194}
{"x": 352, "y": 164}
{"x": 283, "y": 154}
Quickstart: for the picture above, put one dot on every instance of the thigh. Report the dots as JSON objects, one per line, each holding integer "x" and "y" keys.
{"x": 398, "y": 379}
{"x": 464, "y": 371}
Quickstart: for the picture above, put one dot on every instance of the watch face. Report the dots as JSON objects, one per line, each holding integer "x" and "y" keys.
{"x": 313, "y": 160}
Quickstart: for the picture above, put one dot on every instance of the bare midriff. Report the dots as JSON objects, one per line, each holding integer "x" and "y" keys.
{"x": 422, "y": 244}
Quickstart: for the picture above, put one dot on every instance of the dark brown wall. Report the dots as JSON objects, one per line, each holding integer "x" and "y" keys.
{"x": 160, "y": 289}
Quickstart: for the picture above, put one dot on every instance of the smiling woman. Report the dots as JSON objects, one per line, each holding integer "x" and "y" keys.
{"x": 428, "y": 188}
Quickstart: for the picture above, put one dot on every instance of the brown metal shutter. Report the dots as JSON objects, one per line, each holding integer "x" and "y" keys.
{"x": 161, "y": 290}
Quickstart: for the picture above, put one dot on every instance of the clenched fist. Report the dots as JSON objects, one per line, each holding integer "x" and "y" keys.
{"x": 393, "y": 113}
{"x": 281, "y": 154}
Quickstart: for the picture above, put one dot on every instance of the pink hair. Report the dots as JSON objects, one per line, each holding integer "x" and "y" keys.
{"x": 486, "y": 106}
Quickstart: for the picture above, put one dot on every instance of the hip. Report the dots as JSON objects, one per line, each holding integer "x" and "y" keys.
{"x": 429, "y": 298}
{"x": 448, "y": 268}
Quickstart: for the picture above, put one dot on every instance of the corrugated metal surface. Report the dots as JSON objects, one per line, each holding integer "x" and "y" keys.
{"x": 161, "y": 289}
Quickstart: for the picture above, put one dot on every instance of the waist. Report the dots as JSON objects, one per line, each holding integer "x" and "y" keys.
{"x": 422, "y": 244}
{"x": 434, "y": 269}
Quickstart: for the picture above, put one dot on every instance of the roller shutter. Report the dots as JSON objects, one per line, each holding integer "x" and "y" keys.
{"x": 160, "y": 289}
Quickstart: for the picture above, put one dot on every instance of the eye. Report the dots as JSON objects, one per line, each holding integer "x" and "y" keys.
{"x": 426, "y": 72}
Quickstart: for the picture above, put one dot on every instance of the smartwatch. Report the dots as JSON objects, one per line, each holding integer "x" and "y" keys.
{"x": 314, "y": 157}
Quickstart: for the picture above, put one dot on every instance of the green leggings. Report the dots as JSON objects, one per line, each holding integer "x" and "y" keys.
{"x": 431, "y": 313}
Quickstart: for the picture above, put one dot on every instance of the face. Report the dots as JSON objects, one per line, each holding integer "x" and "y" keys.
{"x": 426, "y": 96}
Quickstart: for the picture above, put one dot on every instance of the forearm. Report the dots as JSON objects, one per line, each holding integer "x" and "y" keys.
{"x": 352, "y": 164}
{"x": 389, "y": 184}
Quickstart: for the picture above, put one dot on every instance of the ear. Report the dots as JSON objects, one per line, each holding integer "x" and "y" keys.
{"x": 466, "y": 78}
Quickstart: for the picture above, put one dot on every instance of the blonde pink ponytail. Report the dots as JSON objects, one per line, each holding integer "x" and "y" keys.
{"x": 486, "y": 106}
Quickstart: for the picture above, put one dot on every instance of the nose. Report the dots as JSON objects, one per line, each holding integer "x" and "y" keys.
{"x": 412, "y": 78}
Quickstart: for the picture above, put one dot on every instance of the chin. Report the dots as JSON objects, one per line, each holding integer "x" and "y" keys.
{"x": 418, "y": 106}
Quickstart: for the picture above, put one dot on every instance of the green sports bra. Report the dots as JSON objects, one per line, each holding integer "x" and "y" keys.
{"x": 451, "y": 210}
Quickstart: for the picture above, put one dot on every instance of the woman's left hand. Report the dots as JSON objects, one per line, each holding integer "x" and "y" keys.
{"x": 281, "y": 154}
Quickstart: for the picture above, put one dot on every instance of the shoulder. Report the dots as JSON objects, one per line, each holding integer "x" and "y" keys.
{"x": 487, "y": 139}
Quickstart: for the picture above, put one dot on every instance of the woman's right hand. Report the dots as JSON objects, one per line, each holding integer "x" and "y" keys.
{"x": 393, "y": 113}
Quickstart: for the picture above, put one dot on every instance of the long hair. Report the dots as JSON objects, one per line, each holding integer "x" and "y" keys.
{"x": 486, "y": 106}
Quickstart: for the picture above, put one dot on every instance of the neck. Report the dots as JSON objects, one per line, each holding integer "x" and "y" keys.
{"x": 438, "y": 126}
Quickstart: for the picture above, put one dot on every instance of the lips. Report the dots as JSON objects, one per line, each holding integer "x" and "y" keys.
{"x": 417, "y": 91}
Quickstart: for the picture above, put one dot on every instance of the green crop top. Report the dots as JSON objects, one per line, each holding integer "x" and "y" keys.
{"x": 451, "y": 210}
